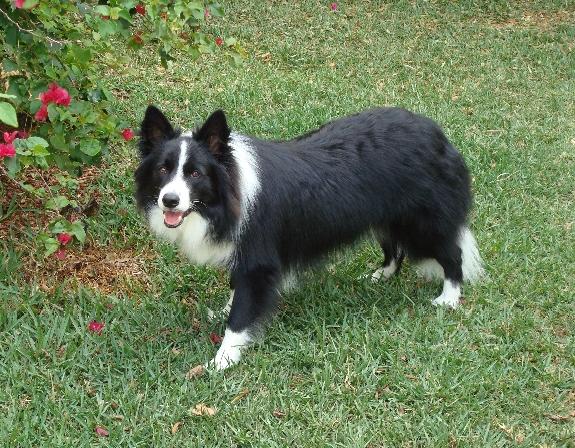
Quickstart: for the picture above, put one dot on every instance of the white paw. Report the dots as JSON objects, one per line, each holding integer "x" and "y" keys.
{"x": 230, "y": 351}
{"x": 385, "y": 272}
{"x": 449, "y": 296}
{"x": 226, "y": 357}
{"x": 449, "y": 302}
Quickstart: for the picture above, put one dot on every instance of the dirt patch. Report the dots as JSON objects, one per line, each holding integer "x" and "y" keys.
{"x": 103, "y": 268}
{"x": 107, "y": 269}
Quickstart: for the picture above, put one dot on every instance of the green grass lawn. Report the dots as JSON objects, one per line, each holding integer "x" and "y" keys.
{"x": 345, "y": 363}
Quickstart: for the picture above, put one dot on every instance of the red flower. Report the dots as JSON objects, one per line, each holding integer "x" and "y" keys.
{"x": 64, "y": 238}
{"x": 101, "y": 431}
{"x": 23, "y": 135}
{"x": 55, "y": 94}
{"x": 333, "y": 6}
{"x": 128, "y": 134}
{"x": 19, "y": 3}
{"x": 207, "y": 14}
{"x": 96, "y": 327}
{"x": 219, "y": 41}
{"x": 7, "y": 150}
{"x": 138, "y": 38}
{"x": 215, "y": 338}
{"x": 42, "y": 113}
{"x": 141, "y": 9}
{"x": 9, "y": 137}
{"x": 60, "y": 254}
{"x": 105, "y": 17}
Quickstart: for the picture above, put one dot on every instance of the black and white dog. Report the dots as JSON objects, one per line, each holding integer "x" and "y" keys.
{"x": 264, "y": 209}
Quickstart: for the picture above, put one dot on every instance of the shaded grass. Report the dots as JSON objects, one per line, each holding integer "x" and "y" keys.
{"x": 349, "y": 363}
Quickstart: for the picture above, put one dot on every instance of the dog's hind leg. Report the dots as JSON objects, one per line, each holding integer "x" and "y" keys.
{"x": 393, "y": 257}
{"x": 451, "y": 261}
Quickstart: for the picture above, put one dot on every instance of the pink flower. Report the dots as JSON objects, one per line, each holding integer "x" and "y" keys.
{"x": 333, "y": 6}
{"x": 9, "y": 137}
{"x": 219, "y": 41}
{"x": 19, "y": 3}
{"x": 215, "y": 338}
{"x": 55, "y": 94}
{"x": 64, "y": 238}
{"x": 23, "y": 135}
{"x": 128, "y": 134}
{"x": 42, "y": 113}
{"x": 101, "y": 431}
{"x": 60, "y": 254}
{"x": 207, "y": 14}
{"x": 7, "y": 150}
{"x": 96, "y": 327}
{"x": 141, "y": 9}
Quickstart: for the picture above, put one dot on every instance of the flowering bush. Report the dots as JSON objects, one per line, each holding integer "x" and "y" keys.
{"x": 54, "y": 109}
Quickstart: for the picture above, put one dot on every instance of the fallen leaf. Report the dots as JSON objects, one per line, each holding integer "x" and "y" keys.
{"x": 118, "y": 417}
{"x": 243, "y": 393}
{"x": 196, "y": 325}
{"x": 195, "y": 372}
{"x": 279, "y": 414}
{"x": 176, "y": 427}
{"x": 114, "y": 405}
{"x": 176, "y": 351}
{"x": 101, "y": 431}
{"x": 202, "y": 410}
{"x": 561, "y": 418}
{"x": 215, "y": 338}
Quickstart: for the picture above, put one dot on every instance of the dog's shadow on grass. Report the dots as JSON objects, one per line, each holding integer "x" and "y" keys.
{"x": 333, "y": 293}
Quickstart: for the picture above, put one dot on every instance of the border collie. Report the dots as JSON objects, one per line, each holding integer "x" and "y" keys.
{"x": 263, "y": 209}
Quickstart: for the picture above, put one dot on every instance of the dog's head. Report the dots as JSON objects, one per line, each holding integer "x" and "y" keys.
{"x": 184, "y": 173}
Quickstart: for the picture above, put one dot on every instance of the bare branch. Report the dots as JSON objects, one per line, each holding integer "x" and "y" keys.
{"x": 48, "y": 38}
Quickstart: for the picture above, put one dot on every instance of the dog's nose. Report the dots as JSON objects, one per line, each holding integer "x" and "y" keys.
{"x": 170, "y": 200}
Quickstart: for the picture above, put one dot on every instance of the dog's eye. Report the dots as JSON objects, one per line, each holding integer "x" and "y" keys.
{"x": 195, "y": 174}
{"x": 163, "y": 170}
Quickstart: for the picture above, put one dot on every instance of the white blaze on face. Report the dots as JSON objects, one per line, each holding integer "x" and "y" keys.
{"x": 178, "y": 187}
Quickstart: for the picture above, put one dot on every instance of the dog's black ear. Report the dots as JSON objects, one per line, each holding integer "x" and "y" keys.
{"x": 215, "y": 133}
{"x": 155, "y": 129}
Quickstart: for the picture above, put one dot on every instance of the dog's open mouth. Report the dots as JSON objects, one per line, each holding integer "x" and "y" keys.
{"x": 174, "y": 219}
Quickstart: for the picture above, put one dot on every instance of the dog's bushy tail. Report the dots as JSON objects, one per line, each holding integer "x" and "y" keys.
{"x": 472, "y": 265}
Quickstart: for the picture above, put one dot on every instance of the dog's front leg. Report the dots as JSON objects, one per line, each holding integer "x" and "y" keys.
{"x": 255, "y": 298}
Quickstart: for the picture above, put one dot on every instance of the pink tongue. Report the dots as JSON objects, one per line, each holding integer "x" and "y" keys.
{"x": 173, "y": 218}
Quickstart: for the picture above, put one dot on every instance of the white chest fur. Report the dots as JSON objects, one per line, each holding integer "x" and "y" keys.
{"x": 192, "y": 238}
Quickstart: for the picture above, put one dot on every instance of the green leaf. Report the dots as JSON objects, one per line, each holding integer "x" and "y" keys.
{"x": 77, "y": 229}
{"x": 12, "y": 165}
{"x": 114, "y": 13}
{"x": 32, "y": 142}
{"x": 106, "y": 27}
{"x": 80, "y": 55}
{"x": 50, "y": 246}
{"x": 53, "y": 112}
{"x": 8, "y": 114}
{"x": 90, "y": 147}
{"x": 60, "y": 227}
{"x": 28, "y": 4}
{"x": 103, "y": 10}
{"x": 59, "y": 142}
{"x": 40, "y": 151}
{"x": 57, "y": 203}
